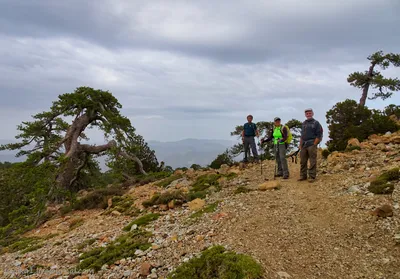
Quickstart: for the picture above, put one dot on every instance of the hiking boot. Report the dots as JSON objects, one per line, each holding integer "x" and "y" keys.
{"x": 311, "y": 180}
{"x": 279, "y": 175}
{"x": 301, "y": 179}
{"x": 286, "y": 177}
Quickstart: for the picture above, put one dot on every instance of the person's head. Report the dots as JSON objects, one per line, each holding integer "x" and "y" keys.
{"x": 277, "y": 121}
{"x": 249, "y": 118}
{"x": 309, "y": 113}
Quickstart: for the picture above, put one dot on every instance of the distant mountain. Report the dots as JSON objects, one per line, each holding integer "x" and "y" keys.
{"x": 176, "y": 154}
{"x": 186, "y": 152}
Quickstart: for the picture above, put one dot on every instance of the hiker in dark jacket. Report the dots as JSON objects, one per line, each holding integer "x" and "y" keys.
{"x": 311, "y": 136}
{"x": 248, "y": 134}
{"x": 279, "y": 134}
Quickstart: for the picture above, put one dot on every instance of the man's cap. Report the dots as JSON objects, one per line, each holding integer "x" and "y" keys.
{"x": 276, "y": 118}
{"x": 308, "y": 109}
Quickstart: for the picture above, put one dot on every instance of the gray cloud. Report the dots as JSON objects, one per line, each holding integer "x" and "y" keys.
{"x": 190, "y": 68}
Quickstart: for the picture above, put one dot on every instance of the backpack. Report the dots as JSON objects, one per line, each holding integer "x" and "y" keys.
{"x": 289, "y": 136}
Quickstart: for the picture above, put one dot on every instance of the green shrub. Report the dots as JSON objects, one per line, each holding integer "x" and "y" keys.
{"x": 178, "y": 196}
{"x": 86, "y": 243}
{"x": 124, "y": 205}
{"x": 348, "y": 120}
{"x": 96, "y": 199}
{"x": 150, "y": 177}
{"x": 351, "y": 148}
{"x": 165, "y": 182}
{"x": 205, "y": 181}
{"x": 382, "y": 184}
{"x": 124, "y": 246}
{"x": 142, "y": 221}
{"x": 208, "y": 209}
{"x": 325, "y": 153}
{"x": 231, "y": 175}
{"x": 224, "y": 158}
{"x": 217, "y": 263}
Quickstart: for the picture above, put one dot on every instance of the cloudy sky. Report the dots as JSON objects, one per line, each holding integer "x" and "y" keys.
{"x": 191, "y": 69}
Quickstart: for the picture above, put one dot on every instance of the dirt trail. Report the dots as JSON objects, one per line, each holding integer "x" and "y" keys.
{"x": 312, "y": 230}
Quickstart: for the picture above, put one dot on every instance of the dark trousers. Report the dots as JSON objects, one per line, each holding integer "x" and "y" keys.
{"x": 250, "y": 142}
{"x": 308, "y": 154}
{"x": 281, "y": 161}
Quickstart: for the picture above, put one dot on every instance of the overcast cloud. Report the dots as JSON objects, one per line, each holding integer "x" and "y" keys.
{"x": 191, "y": 69}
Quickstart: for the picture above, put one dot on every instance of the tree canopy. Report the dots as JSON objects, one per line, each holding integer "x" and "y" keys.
{"x": 58, "y": 135}
{"x": 372, "y": 78}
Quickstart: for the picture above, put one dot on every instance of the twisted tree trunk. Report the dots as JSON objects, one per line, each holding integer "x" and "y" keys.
{"x": 364, "y": 95}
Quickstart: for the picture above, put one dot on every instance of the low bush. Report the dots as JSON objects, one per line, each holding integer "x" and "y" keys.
{"x": 178, "y": 196}
{"x": 142, "y": 221}
{"x": 165, "y": 182}
{"x": 218, "y": 263}
{"x": 123, "y": 247}
{"x": 383, "y": 183}
{"x": 208, "y": 209}
{"x": 325, "y": 153}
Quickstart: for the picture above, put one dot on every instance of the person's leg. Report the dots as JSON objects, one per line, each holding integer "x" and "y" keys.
{"x": 278, "y": 160}
{"x": 283, "y": 161}
{"x": 254, "y": 148}
{"x": 303, "y": 163}
{"x": 246, "y": 148}
{"x": 312, "y": 171}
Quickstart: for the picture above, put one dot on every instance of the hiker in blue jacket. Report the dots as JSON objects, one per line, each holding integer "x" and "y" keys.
{"x": 248, "y": 134}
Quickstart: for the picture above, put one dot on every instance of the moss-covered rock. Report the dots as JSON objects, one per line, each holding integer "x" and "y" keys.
{"x": 217, "y": 263}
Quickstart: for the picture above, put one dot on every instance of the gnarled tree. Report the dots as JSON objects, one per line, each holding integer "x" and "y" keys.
{"x": 374, "y": 79}
{"x": 58, "y": 134}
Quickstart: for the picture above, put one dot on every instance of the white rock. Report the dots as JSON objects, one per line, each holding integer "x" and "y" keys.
{"x": 283, "y": 274}
{"x": 127, "y": 273}
{"x": 134, "y": 227}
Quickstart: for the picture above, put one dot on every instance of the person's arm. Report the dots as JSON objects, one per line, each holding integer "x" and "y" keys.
{"x": 301, "y": 136}
{"x": 284, "y": 134}
{"x": 318, "y": 133}
{"x": 268, "y": 137}
{"x": 243, "y": 135}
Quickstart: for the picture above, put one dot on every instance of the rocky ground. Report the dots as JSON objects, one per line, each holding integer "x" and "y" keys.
{"x": 325, "y": 229}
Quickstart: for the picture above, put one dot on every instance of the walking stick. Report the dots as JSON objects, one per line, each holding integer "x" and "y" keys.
{"x": 276, "y": 163}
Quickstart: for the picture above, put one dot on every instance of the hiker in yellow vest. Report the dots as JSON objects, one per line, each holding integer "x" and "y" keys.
{"x": 279, "y": 135}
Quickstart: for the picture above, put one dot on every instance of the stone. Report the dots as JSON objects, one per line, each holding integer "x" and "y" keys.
{"x": 134, "y": 227}
{"x": 127, "y": 273}
{"x": 145, "y": 269}
{"x": 397, "y": 238}
{"x": 381, "y": 147}
{"x": 199, "y": 238}
{"x": 353, "y": 142}
{"x": 116, "y": 213}
{"x": 178, "y": 172}
{"x": 268, "y": 185}
{"x": 171, "y": 204}
{"x": 223, "y": 169}
{"x": 82, "y": 277}
{"x": 354, "y": 189}
{"x": 163, "y": 207}
{"x": 383, "y": 211}
{"x": 283, "y": 274}
{"x": 196, "y": 204}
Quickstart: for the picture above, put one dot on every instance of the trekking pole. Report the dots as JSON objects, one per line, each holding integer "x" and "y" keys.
{"x": 276, "y": 164}
{"x": 260, "y": 156}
